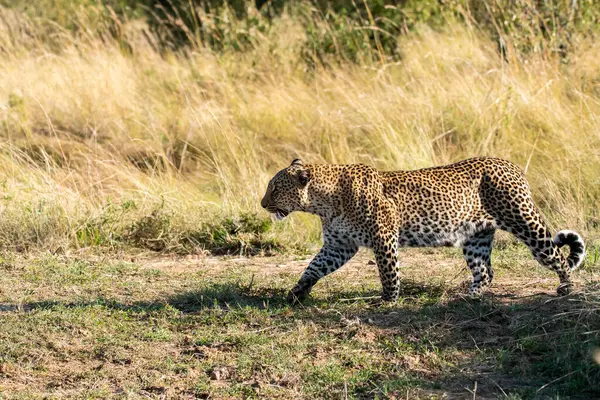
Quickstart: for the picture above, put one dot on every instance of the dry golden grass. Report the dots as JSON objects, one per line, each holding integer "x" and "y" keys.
{"x": 197, "y": 135}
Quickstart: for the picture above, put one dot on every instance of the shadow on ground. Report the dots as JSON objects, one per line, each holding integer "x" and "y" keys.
{"x": 540, "y": 345}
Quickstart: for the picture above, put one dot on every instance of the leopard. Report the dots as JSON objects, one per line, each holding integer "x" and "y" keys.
{"x": 460, "y": 204}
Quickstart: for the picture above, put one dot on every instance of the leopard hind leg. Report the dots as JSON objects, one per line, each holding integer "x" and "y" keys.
{"x": 477, "y": 251}
{"x": 531, "y": 229}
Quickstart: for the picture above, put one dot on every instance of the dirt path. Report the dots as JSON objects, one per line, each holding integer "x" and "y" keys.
{"x": 516, "y": 275}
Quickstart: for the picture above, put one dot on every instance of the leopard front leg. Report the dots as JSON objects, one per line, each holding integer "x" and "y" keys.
{"x": 385, "y": 248}
{"x": 330, "y": 258}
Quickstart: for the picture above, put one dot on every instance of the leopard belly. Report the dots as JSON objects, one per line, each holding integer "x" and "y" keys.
{"x": 437, "y": 236}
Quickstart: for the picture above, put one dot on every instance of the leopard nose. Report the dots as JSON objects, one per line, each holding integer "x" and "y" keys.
{"x": 264, "y": 203}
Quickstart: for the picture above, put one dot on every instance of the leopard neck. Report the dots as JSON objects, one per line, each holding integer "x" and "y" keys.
{"x": 324, "y": 193}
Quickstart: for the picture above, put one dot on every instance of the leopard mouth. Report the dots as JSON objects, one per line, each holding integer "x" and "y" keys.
{"x": 279, "y": 213}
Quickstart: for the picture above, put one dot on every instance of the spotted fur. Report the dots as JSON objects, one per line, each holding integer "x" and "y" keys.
{"x": 460, "y": 204}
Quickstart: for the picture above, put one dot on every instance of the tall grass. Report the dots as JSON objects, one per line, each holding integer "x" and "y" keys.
{"x": 99, "y": 137}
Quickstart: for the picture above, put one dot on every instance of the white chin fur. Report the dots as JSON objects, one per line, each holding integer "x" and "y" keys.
{"x": 279, "y": 216}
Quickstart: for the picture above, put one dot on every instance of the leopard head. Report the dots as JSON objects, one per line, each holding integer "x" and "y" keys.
{"x": 288, "y": 190}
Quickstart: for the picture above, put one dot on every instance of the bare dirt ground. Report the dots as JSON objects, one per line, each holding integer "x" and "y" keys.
{"x": 523, "y": 279}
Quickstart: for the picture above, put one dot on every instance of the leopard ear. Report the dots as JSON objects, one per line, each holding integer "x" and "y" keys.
{"x": 304, "y": 177}
{"x": 297, "y": 163}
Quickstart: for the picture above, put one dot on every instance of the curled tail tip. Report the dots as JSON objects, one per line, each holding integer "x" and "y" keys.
{"x": 576, "y": 246}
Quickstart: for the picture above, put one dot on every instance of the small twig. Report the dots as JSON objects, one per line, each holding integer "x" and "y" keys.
{"x": 530, "y": 295}
{"x": 478, "y": 317}
{"x": 555, "y": 380}
{"x": 474, "y": 342}
{"x": 268, "y": 328}
{"x": 474, "y": 391}
{"x": 251, "y": 283}
{"x": 498, "y": 386}
{"x": 360, "y": 298}
{"x": 460, "y": 272}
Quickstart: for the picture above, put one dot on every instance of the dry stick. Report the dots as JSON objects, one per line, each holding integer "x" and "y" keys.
{"x": 268, "y": 328}
{"x": 251, "y": 283}
{"x": 360, "y": 298}
{"x": 477, "y": 318}
{"x": 555, "y": 380}
{"x": 498, "y": 386}
{"x": 473, "y": 391}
